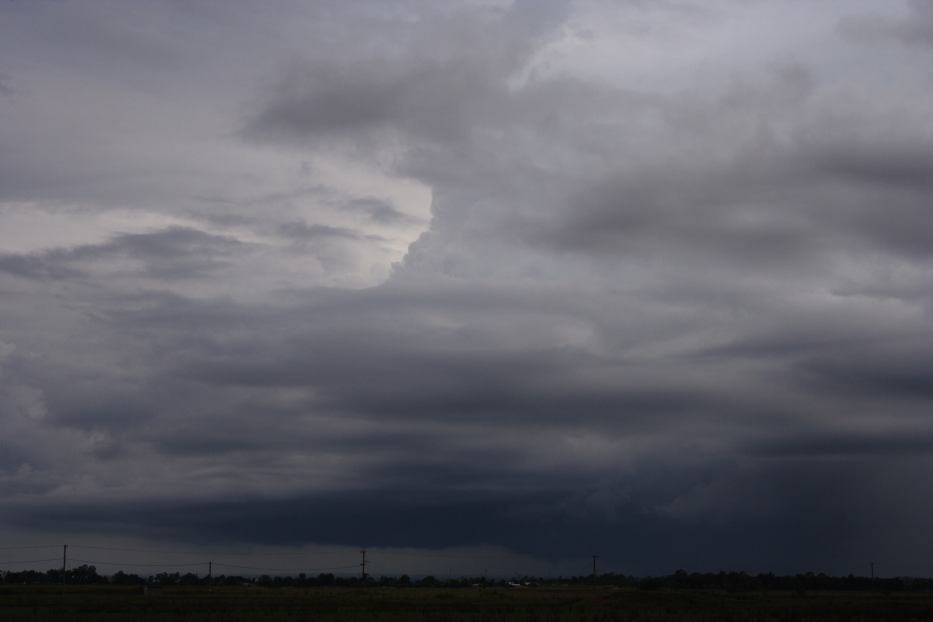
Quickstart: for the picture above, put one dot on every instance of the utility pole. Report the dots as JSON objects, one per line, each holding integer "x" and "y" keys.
{"x": 64, "y": 563}
{"x": 871, "y": 566}
{"x": 363, "y": 564}
{"x": 210, "y": 571}
{"x": 595, "y": 557}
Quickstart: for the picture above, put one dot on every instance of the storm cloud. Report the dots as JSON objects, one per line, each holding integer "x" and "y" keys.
{"x": 649, "y": 280}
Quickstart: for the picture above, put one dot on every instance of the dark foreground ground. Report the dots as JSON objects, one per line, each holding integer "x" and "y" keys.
{"x": 103, "y": 603}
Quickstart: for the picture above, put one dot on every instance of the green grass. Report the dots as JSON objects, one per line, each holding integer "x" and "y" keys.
{"x": 546, "y": 604}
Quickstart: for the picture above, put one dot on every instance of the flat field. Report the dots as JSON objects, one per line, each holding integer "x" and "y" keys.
{"x": 540, "y": 604}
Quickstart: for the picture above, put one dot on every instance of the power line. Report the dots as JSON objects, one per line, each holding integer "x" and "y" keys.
{"x": 285, "y": 569}
{"x": 309, "y": 553}
{"x": 364, "y": 565}
{"x": 191, "y": 564}
{"x": 347, "y": 551}
{"x": 130, "y": 550}
{"x": 29, "y": 547}
{"x": 28, "y": 561}
{"x": 440, "y": 555}
{"x": 165, "y": 565}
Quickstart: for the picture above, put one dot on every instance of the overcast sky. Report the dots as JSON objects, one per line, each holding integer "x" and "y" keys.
{"x": 523, "y": 280}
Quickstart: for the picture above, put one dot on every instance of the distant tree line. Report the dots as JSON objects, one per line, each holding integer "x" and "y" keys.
{"x": 80, "y": 575}
{"x": 744, "y": 582}
{"x": 680, "y": 580}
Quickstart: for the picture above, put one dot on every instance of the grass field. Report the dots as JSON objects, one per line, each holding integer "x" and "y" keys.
{"x": 106, "y": 603}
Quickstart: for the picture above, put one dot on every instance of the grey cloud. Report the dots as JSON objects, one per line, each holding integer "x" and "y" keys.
{"x": 774, "y": 202}
{"x": 906, "y": 166}
{"x": 171, "y": 253}
{"x": 5, "y": 88}
{"x": 340, "y": 102}
{"x": 310, "y": 233}
{"x": 918, "y": 28}
{"x": 35, "y": 267}
{"x": 847, "y": 445}
{"x": 431, "y": 95}
{"x": 667, "y": 310}
{"x": 431, "y": 518}
{"x": 379, "y": 211}
{"x": 529, "y": 387}
{"x": 893, "y": 379}
{"x": 914, "y": 29}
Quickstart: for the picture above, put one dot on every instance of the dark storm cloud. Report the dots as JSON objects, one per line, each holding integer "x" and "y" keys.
{"x": 403, "y": 382}
{"x": 330, "y": 349}
{"x": 900, "y": 378}
{"x": 671, "y": 304}
{"x": 405, "y": 516}
{"x": 848, "y": 445}
{"x": 539, "y": 521}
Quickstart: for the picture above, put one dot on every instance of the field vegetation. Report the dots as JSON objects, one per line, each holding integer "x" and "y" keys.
{"x": 591, "y": 603}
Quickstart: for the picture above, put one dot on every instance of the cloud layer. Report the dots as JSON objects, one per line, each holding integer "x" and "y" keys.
{"x": 651, "y": 280}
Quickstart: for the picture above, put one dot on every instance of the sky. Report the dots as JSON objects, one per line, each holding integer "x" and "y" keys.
{"x": 478, "y": 285}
